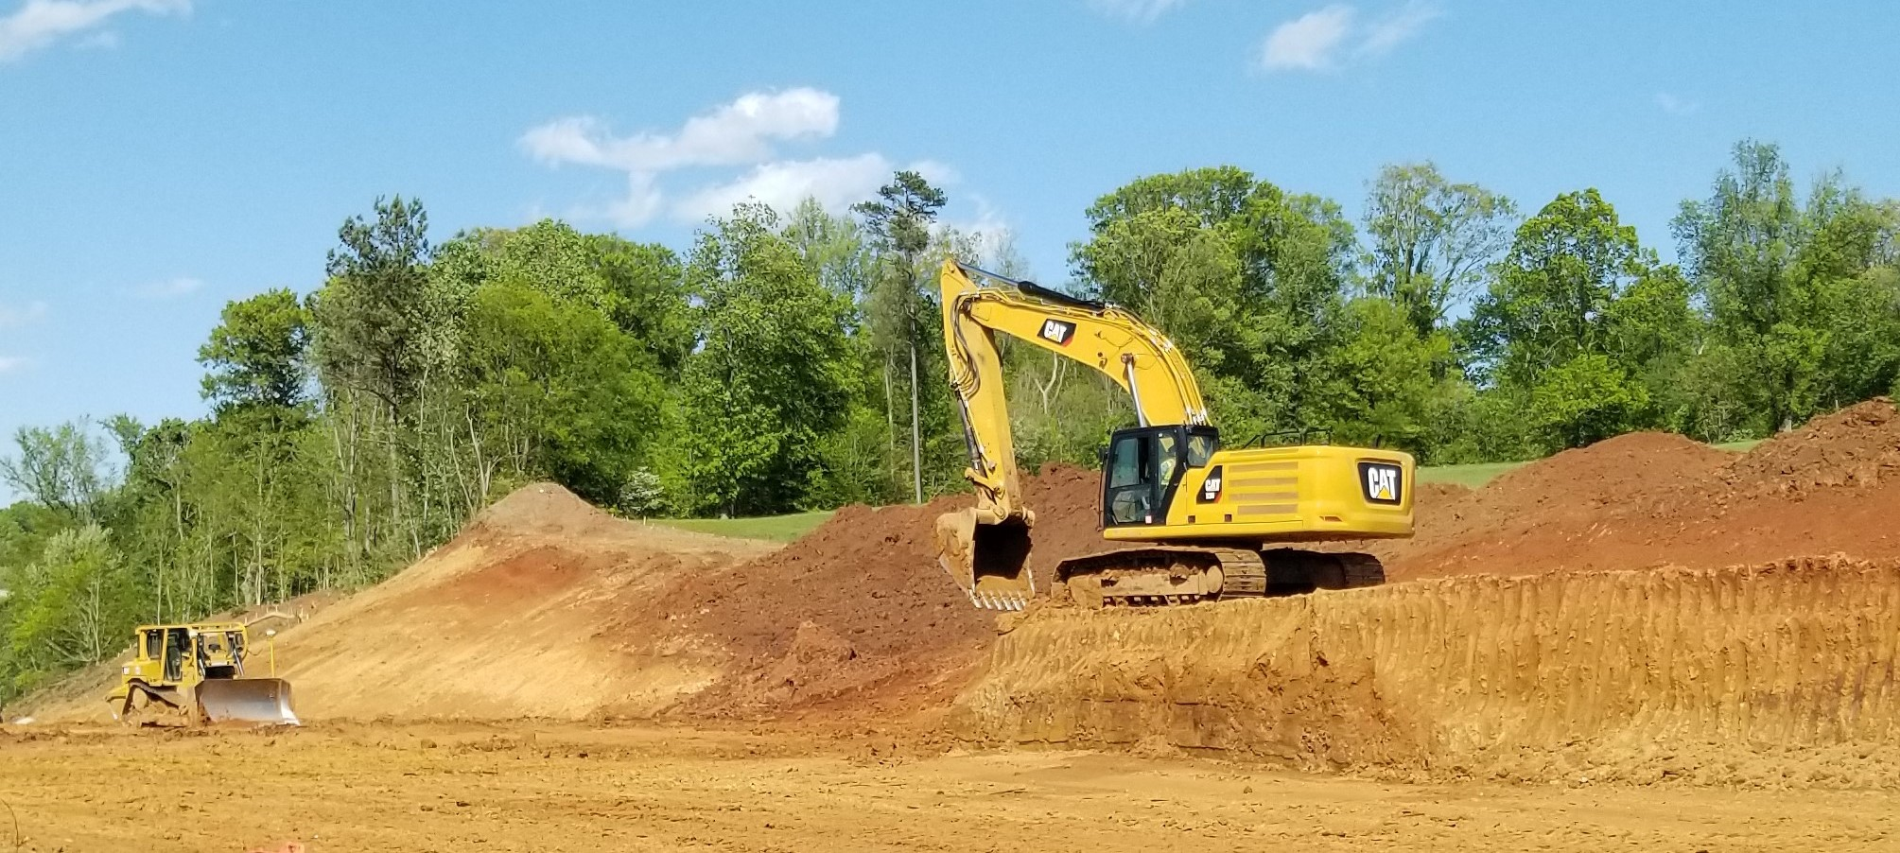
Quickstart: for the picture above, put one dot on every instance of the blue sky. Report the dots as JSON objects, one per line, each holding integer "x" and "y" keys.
{"x": 160, "y": 157}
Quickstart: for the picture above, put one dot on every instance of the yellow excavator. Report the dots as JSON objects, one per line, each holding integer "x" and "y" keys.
{"x": 1220, "y": 519}
{"x": 192, "y": 674}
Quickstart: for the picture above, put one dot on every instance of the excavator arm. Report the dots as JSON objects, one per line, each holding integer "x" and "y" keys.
{"x": 983, "y": 547}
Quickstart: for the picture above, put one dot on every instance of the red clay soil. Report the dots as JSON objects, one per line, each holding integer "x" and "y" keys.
{"x": 859, "y": 610}
{"x": 1856, "y": 446}
{"x": 1649, "y": 500}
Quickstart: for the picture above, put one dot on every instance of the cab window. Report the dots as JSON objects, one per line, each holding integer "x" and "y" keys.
{"x": 1200, "y": 448}
{"x": 1124, "y": 465}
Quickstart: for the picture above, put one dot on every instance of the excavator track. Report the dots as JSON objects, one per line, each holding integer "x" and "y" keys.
{"x": 1160, "y": 577}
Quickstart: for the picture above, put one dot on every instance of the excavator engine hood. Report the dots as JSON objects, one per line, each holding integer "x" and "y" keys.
{"x": 989, "y": 560}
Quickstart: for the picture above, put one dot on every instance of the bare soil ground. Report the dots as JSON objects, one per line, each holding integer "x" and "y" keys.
{"x": 1644, "y": 644}
{"x": 518, "y": 786}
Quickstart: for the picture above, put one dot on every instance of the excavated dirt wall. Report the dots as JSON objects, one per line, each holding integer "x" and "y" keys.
{"x": 1734, "y": 675}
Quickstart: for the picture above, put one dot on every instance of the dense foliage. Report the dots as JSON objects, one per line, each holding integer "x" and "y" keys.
{"x": 790, "y": 361}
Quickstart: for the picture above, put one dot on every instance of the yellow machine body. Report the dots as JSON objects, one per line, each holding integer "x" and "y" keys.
{"x": 193, "y": 673}
{"x": 1219, "y": 517}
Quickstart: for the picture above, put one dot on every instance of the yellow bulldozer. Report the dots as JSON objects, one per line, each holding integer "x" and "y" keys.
{"x": 193, "y": 674}
{"x": 1219, "y": 521}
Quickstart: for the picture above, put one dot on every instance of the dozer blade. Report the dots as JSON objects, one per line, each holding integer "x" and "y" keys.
{"x": 989, "y": 562}
{"x": 263, "y": 701}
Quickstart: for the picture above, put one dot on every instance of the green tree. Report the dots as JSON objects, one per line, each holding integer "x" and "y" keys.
{"x": 374, "y": 316}
{"x": 76, "y": 604}
{"x": 1247, "y": 279}
{"x": 64, "y": 468}
{"x": 1580, "y": 308}
{"x": 557, "y": 390}
{"x": 771, "y": 378}
{"x": 1585, "y": 400}
{"x": 255, "y": 356}
{"x": 1429, "y": 240}
{"x": 1780, "y": 277}
{"x": 899, "y": 224}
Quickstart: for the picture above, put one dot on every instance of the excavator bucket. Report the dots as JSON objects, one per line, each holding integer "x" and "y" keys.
{"x": 261, "y": 701}
{"x": 989, "y": 562}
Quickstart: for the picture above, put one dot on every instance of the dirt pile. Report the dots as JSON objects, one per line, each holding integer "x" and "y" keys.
{"x": 1856, "y": 446}
{"x": 1719, "y": 676}
{"x": 869, "y": 578}
{"x": 1649, "y": 500}
{"x": 541, "y": 607}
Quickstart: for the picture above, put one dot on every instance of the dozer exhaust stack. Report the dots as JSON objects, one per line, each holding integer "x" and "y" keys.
{"x": 260, "y": 701}
{"x": 989, "y": 560}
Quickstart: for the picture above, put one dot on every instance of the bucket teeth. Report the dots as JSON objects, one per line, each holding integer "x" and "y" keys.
{"x": 1008, "y": 601}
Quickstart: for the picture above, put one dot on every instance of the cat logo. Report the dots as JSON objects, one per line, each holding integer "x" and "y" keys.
{"x": 1058, "y": 331}
{"x": 1382, "y": 482}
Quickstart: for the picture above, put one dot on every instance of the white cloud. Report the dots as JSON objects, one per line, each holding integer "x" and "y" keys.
{"x": 741, "y": 133}
{"x": 40, "y": 23}
{"x": 1321, "y": 40}
{"x": 1676, "y": 106}
{"x": 171, "y": 288}
{"x": 835, "y": 182}
{"x": 32, "y": 312}
{"x": 1139, "y": 11}
{"x": 1397, "y": 27}
{"x": 11, "y": 364}
{"x": 1308, "y": 42}
{"x": 734, "y": 134}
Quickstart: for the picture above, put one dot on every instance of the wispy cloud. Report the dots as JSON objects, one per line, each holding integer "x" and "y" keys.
{"x": 11, "y": 364}
{"x": 40, "y": 23}
{"x": 1397, "y": 27}
{"x": 1676, "y": 106}
{"x": 32, "y": 312}
{"x": 1308, "y": 42}
{"x": 171, "y": 288}
{"x": 1138, "y": 11}
{"x": 743, "y": 133}
{"x": 1328, "y": 38}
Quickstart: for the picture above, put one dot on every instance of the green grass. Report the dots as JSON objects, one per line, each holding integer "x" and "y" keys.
{"x": 776, "y": 528}
{"x": 1469, "y": 476}
{"x": 785, "y": 528}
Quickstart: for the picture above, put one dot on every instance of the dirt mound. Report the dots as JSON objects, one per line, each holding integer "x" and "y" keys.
{"x": 1609, "y": 472}
{"x": 1783, "y": 669}
{"x": 541, "y": 607}
{"x": 869, "y": 577}
{"x": 1856, "y": 446}
{"x": 1651, "y": 500}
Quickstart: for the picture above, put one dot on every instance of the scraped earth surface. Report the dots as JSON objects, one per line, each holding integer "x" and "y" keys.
{"x": 519, "y": 786}
{"x": 1630, "y": 645}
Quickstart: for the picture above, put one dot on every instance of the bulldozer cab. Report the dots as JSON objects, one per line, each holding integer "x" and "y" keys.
{"x": 1144, "y": 465}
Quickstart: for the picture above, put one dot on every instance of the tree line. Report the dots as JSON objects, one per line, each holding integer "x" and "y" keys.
{"x": 789, "y": 361}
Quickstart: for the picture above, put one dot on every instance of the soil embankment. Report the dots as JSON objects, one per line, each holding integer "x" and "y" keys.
{"x": 1644, "y": 608}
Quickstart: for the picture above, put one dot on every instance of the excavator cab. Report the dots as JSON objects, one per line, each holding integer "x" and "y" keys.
{"x": 1143, "y": 466}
